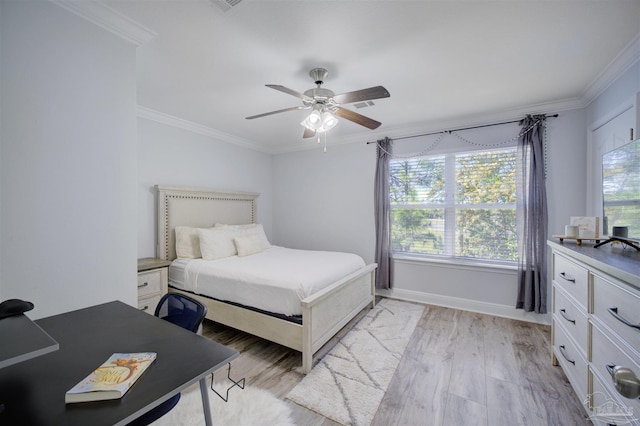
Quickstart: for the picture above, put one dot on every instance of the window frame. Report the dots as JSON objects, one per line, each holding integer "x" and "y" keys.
{"x": 451, "y": 206}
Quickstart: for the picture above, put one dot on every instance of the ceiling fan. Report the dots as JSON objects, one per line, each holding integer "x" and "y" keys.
{"x": 325, "y": 105}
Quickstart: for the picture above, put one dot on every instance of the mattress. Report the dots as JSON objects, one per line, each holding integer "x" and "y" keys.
{"x": 275, "y": 280}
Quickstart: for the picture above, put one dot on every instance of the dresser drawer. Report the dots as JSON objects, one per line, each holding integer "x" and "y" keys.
{"x": 149, "y": 283}
{"x": 148, "y": 304}
{"x": 572, "y": 318}
{"x": 571, "y": 360}
{"x": 607, "y": 352}
{"x": 601, "y": 393}
{"x": 614, "y": 304}
{"x": 572, "y": 277}
{"x": 607, "y": 407}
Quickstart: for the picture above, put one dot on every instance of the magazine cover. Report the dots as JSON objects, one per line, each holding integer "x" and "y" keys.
{"x": 112, "y": 379}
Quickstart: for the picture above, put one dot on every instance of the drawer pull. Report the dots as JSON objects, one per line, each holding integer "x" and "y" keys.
{"x": 143, "y": 285}
{"x": 563, "y": 312}
{"x": 625, "y": 381}
{"x": 567, "y": 277}
{"x": 562, "y": 351}
{"x": 616, "y": 315}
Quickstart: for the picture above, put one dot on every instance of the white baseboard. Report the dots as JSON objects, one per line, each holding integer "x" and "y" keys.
{"x": 504, "y": 311}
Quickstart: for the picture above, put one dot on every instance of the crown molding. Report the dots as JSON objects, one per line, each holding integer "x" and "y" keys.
{"x": 170, "y": 120}
{"x": 398, "y": 132}
{"x": 111, "y": 20}
{"x": 620, "y": 64}
{"x": 468, "y": 121}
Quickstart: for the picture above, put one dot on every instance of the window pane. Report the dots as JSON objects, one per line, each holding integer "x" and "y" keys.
{"x": 472, "y": 193}
{"x": 417, "y": 231}
{"x": 486, "y": 177}
{"x": 417, "y": 181}
{"x": 486, "y": 234}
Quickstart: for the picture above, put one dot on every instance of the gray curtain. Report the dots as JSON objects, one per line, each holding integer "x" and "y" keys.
{"x": 532, "y": 216}
{"x": 384, "y": 272}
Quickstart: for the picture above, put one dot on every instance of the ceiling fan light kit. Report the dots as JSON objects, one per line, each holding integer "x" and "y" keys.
{"x": 320, "y": 120}
{"x": 328, "y": 120}
{"x": 326, "y": 105}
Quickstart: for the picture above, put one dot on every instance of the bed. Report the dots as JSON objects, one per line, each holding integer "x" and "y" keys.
{"x": 323, "y": 313}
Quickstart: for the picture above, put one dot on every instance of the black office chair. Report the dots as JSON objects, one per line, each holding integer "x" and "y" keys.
{"x": 182, "y": 310}
{"x": 187, "y": 313}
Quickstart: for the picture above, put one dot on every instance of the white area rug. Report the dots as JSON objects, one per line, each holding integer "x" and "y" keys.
{"x": 349, "y": 382}
{"x": 248, "y": 406}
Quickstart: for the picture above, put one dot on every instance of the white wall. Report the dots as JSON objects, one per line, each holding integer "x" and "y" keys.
{"x": 609, "y": 118}
{"x": 68, "y": 160}
{"x": 616, "y": 94}
{"x": 171, "y": 156}
{"x": 566, "y": 170}
{"x": 325, "y": 201}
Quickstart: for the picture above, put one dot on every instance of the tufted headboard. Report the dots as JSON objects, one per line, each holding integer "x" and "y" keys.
{"x": 199, "y": 208}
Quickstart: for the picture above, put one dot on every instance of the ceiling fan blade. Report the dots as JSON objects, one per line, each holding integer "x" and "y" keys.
{"x": 290, "y": 92}
{"x": 308, "y": 133}
{"x": 357, "y": 118}
{"x": 376, "y": 92}
{"x": 276, "y": 112}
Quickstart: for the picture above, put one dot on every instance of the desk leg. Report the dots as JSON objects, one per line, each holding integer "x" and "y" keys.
{"x": 205, "y": 402}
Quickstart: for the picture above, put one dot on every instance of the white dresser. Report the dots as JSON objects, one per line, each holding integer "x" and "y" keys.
{"x": 596, "y": 327}
{"x": 153, "y": 278}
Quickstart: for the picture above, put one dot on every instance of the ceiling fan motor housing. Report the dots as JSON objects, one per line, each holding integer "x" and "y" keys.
{"x": 319, "y": 94}
{"x": 318, "y": 75}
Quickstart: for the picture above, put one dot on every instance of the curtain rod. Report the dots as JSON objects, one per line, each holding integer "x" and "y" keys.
{"x": 463, "y": 128}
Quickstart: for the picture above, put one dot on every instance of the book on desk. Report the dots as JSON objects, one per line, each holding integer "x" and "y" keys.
{"x": 112, "y": 379}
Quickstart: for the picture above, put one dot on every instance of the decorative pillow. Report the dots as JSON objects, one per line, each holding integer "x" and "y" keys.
{"x": 236, "y": 227}
{"x": 187, "y": 242}
{"x": 251, "y": 243}
{"x": 216, "y": 243}
{"x": 250, "y": 228}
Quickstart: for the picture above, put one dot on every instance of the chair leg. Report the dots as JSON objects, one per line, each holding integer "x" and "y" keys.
{"x": 239, "y": 383}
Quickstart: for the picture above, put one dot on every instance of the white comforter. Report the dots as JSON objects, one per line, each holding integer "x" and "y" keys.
{"x": 275, "y": 280}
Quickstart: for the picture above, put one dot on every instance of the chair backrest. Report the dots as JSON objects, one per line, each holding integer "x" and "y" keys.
{"x": 181, "y": 310}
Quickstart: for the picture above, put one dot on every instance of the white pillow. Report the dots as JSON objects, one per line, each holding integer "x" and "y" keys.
{"x": 250, "y": 228}
{"x": 187, "y": 242}
{"x": 251, "y": 243}
{"x": 236, "y": 227}
{"x": 216, "y": 243}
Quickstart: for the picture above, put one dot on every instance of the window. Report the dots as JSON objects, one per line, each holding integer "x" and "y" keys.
{"x": 460, "y": 205}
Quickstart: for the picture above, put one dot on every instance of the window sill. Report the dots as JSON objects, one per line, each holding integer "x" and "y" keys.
{"x": 456, "y": 263}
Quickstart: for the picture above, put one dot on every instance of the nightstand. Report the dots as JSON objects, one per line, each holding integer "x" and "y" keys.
{"x": 153, "y": 279}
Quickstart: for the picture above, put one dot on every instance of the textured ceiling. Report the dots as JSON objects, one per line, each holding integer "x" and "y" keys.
{"x": 445, "y": 63}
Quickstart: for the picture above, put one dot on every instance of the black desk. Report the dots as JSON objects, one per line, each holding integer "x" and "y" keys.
{"x": 21, "y": 339}
{"x": 33, "y": 391}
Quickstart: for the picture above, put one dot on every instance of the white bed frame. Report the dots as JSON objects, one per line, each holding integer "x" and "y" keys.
{"x": 323, "y": 314}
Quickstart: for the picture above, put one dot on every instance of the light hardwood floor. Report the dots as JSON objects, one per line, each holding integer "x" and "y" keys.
{"x": 459, "y": 368}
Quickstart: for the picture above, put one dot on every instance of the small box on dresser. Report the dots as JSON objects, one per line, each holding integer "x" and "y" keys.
{"x": 596, "y": 325}
{"x": 153, "y": 279}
